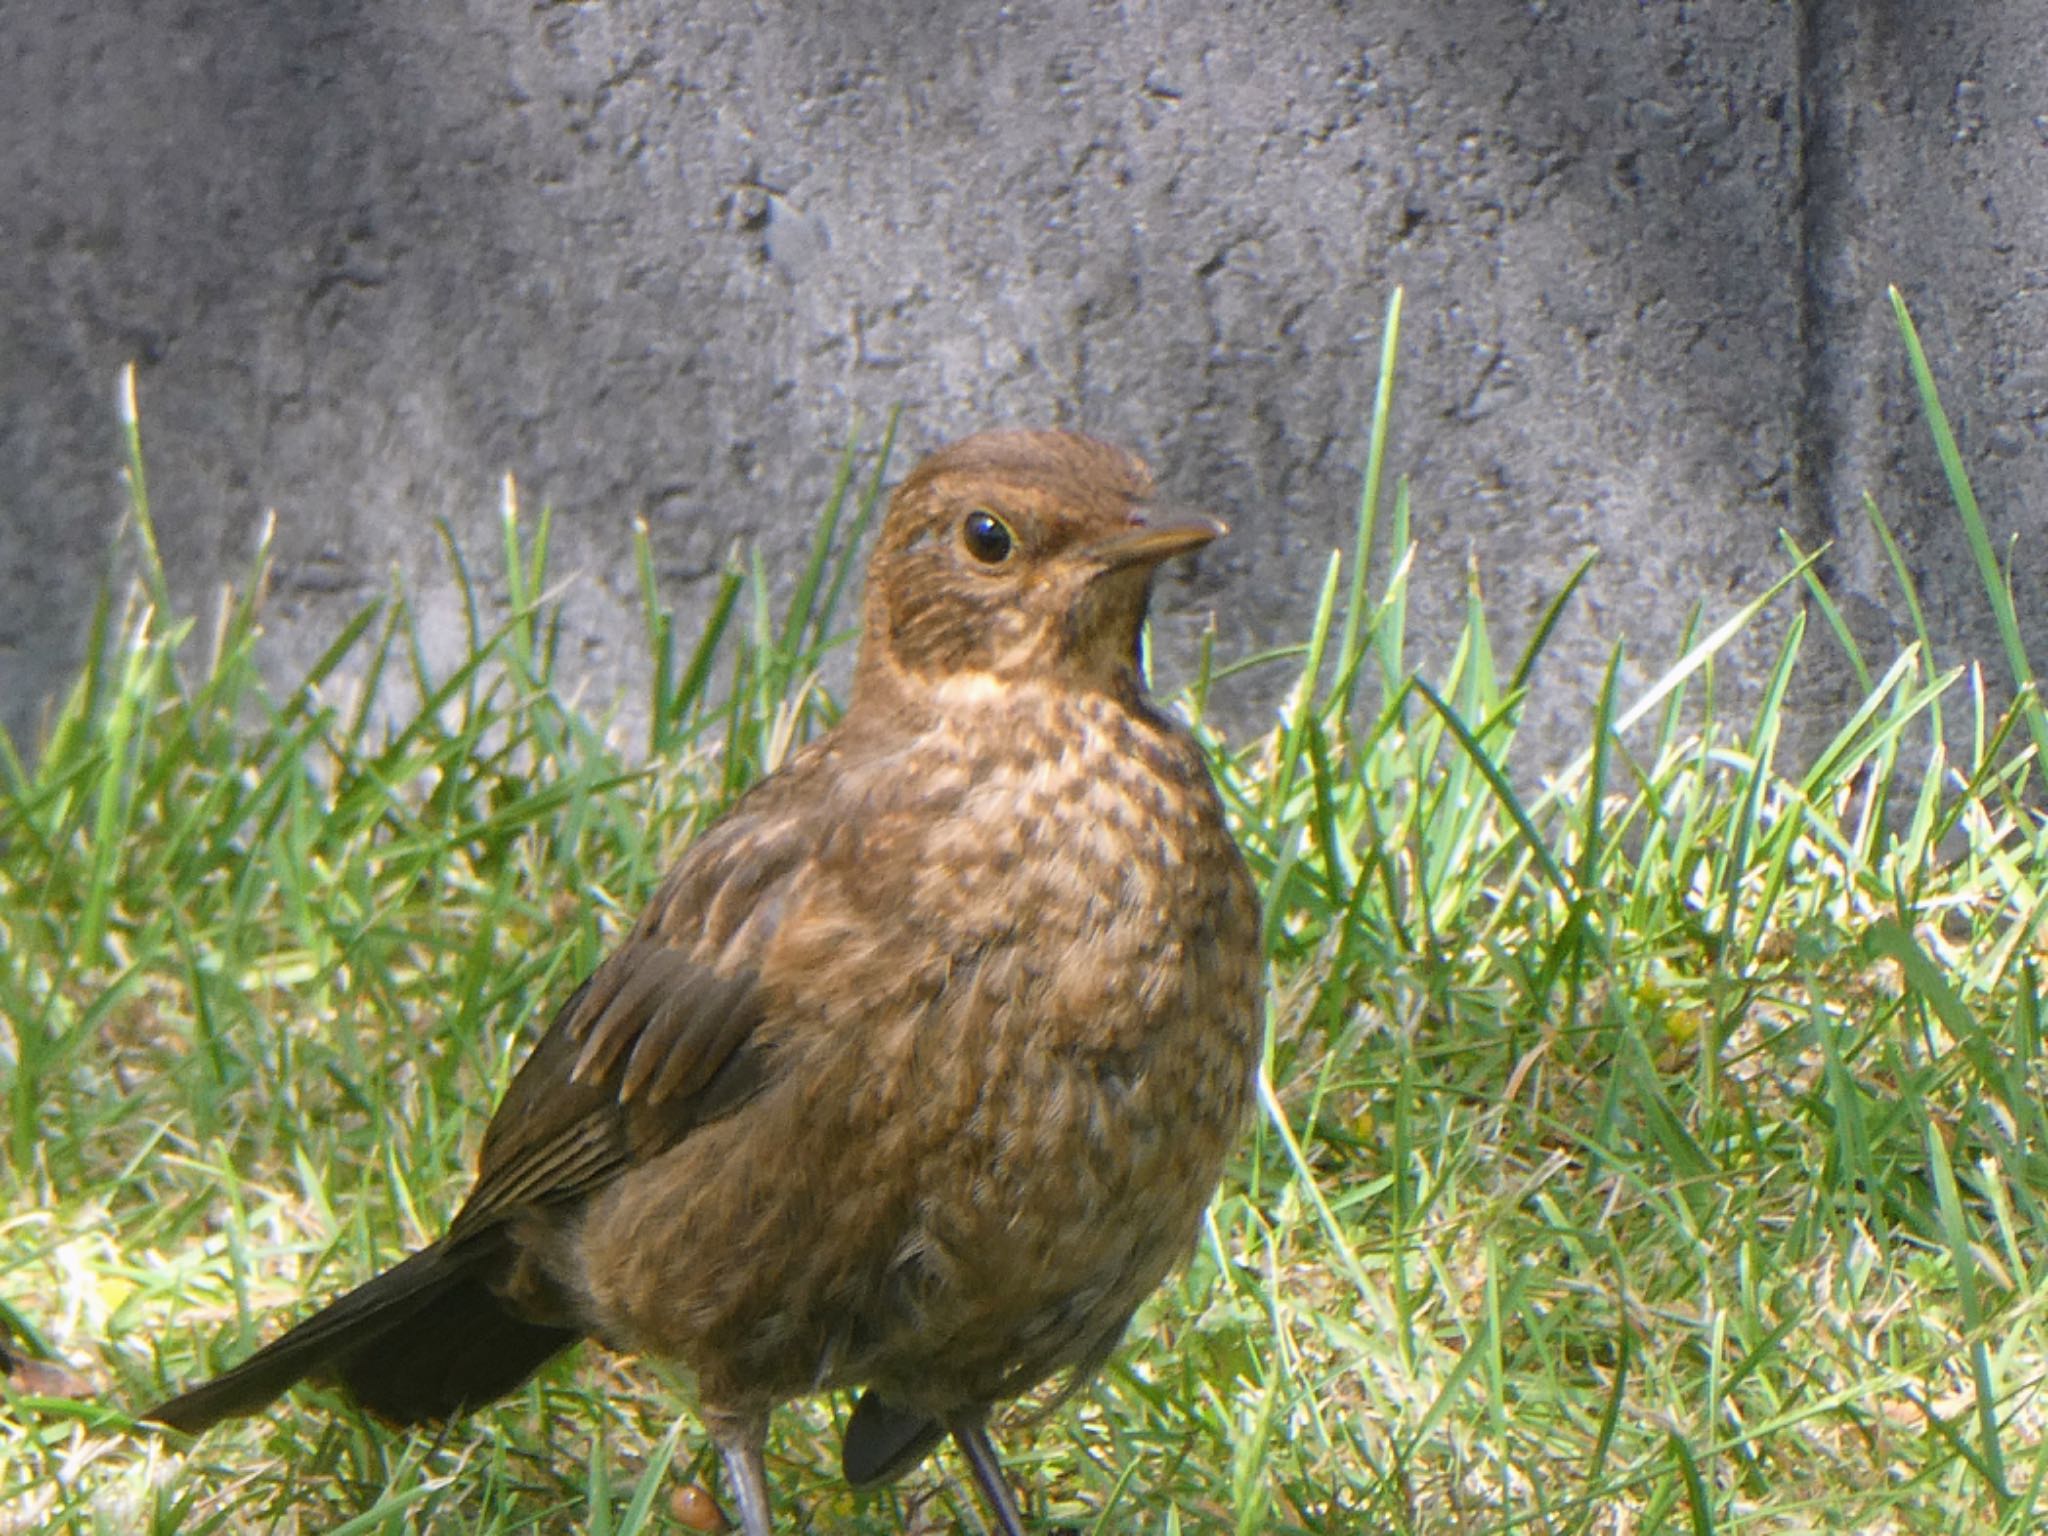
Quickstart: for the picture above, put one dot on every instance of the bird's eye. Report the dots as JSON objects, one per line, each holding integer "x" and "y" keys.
{"x": 986, "y": 538}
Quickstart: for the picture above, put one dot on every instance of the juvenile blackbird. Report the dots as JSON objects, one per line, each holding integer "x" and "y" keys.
{"x": 916, "y": 1074}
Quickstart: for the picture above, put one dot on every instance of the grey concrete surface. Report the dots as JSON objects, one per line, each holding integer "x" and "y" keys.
{"x": 652, "y": 259}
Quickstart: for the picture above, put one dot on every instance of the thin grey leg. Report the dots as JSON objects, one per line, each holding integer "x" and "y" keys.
{"x": 739, "y": 1442}
{"x": 970, "y": 1433}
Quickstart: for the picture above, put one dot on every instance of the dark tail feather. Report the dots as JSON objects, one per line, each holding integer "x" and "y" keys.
{"x": 461, "y": 1349}
{"x": 421, "y": 1341}
{"x": 882, "y": 1441}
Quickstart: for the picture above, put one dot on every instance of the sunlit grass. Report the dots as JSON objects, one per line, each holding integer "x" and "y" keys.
{"x": 1655, "y": 1146}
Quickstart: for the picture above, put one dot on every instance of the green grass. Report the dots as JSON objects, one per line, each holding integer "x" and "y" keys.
{"x": 1660, "y": 1148}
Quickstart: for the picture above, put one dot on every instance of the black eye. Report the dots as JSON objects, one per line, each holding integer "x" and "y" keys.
{"x": 986, "y": 538}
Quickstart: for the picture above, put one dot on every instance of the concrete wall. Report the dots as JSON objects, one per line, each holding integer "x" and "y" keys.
{"x": 651, "y": 258}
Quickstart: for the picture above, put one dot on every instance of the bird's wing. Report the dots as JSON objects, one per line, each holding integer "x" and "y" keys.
{"x": 659, "y": 1039}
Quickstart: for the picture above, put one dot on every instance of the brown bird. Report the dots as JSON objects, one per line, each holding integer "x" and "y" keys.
{"x": 919, "y": 1069}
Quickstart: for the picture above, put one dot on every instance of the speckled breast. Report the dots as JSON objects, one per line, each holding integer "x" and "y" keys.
{"x": 1084, "y": 1068}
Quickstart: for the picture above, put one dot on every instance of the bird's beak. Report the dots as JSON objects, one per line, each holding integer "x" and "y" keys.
{"x": 1156, "y": 534}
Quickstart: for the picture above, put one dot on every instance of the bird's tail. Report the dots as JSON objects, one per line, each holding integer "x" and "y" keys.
{"x": 421, "y": 1342}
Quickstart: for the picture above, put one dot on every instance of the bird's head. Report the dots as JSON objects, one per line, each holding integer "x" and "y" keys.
{"x": 1017, "y": 556}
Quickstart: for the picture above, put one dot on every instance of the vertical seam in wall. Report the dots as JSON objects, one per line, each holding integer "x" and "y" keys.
{"x": 1821, "y": 433}
{"x": 1806, "y": 448}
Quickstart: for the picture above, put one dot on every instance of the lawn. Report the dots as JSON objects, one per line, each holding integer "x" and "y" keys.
{"x": 1657, "y": 1145}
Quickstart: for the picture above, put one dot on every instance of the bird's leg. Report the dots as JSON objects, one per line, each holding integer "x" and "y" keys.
{"x": 740, "y": 1438}
{"x": 970, "y": 1433}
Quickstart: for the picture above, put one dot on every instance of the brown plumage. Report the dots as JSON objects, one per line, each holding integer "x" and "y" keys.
{"x": 918, "y": 1070}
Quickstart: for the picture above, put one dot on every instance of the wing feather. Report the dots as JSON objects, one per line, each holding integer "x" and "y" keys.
{"x": 660, "y": 1038}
